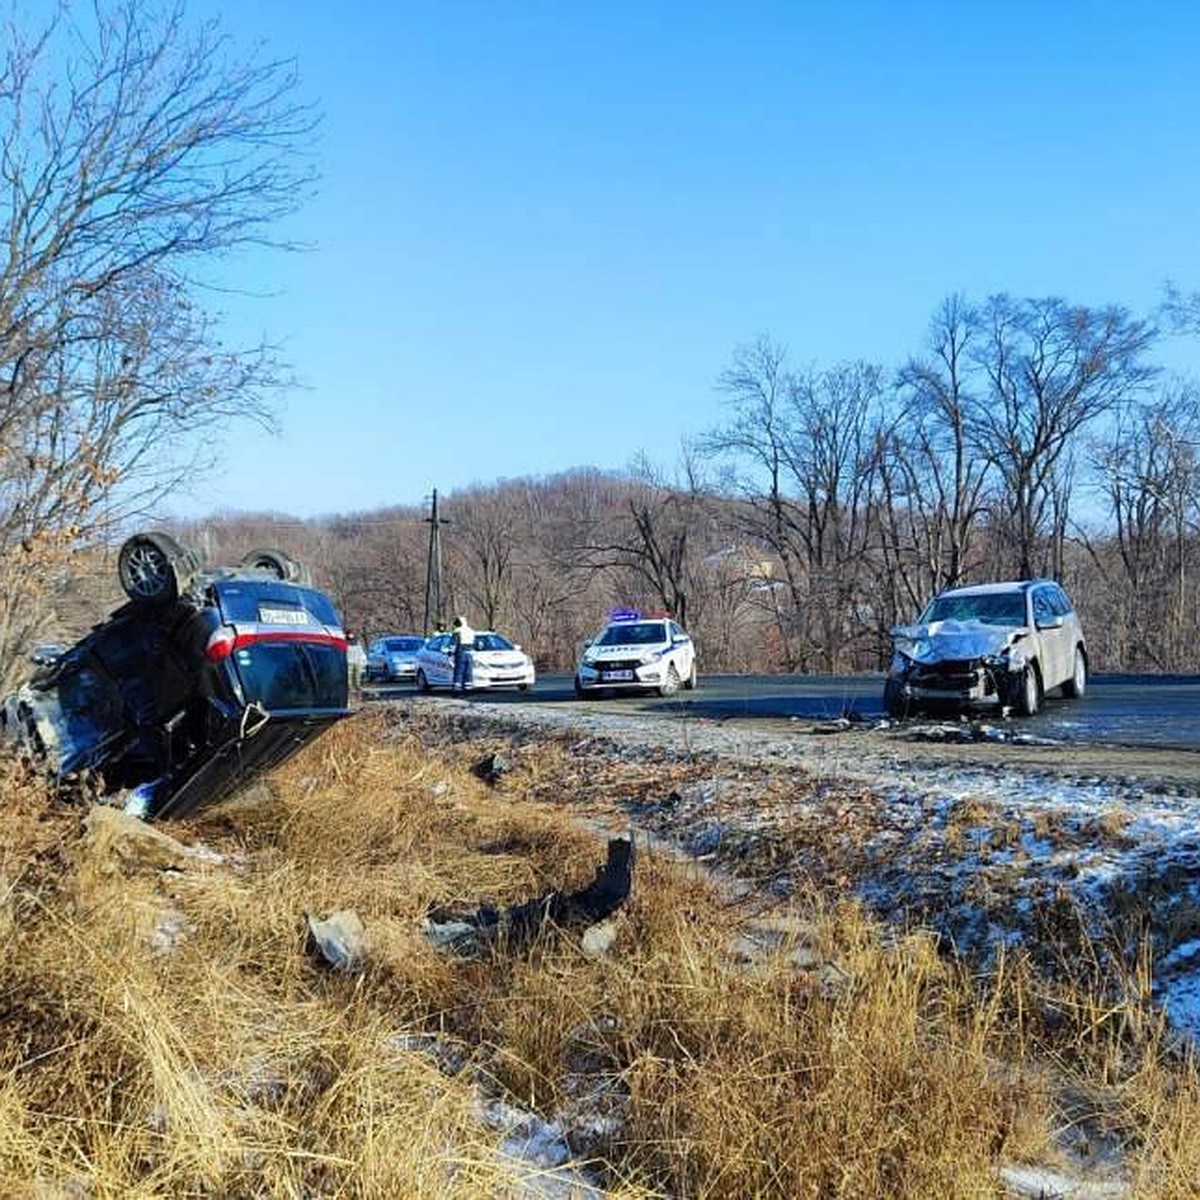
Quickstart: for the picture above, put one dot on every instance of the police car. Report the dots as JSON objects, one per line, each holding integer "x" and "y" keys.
{"x": 637, "y": 653}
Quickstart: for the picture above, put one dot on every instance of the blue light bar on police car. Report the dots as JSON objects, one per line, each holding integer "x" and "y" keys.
{"x": 620, "y": 615}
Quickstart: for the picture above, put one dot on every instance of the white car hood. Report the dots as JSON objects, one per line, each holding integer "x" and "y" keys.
{"x": 954, "y": 641}
{"x": 501, "y": 658}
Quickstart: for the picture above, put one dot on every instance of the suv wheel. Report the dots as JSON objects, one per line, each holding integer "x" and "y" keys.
{"x": 1077, "y": 684}
{"x": 1029, "y": 692}
{"x": 422, "y": 682}
{"x": 281, "y": 565}
{"x": 154, "y": 568}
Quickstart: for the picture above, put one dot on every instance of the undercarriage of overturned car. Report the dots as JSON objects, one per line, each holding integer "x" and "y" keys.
{"x": 204, "y": 679}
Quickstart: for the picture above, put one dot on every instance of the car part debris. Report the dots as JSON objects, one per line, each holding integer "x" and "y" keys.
{"x": 491, "y": 768}
{"x": 339, "y": 939}
{"x": 204, "y": 679}
{"x": 486, "y": 926}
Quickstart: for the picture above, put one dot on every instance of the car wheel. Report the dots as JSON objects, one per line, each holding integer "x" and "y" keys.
{"x": 422, "y": 682}
{"x": 1029, "y": 692}
{"x": 154, "y": 568}
{"x": 895, "y": 703}
{"x": 1077, "y": 684}
{"x": 690, "y": 681}
{"x": 670, "y": 685}
{"x": 522, "y": 687}
{"x": 281, "y": 565}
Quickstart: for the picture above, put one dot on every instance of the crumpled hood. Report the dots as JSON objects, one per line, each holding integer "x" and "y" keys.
{"x": 954, "y": 641}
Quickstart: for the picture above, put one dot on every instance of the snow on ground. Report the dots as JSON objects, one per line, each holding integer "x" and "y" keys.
{"x": 986, "y": 854}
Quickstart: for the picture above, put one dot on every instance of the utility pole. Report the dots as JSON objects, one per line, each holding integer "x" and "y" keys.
{"x": 433, "y": 566}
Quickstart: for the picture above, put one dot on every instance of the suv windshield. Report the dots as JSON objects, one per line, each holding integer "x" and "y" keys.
{"x": 635, "y": 633}
{"x": 989, "y": 608}
{"x": 292, "y": 674}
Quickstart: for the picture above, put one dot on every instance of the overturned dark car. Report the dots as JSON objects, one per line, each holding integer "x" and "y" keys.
{"x": 203, "y": 680}
{"x": 996, "y": 645}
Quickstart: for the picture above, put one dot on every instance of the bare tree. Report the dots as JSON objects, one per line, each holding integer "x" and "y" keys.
{"x": 1052, "y": 369}
{"x": 1149, "y": 472}
{"x": 934, "y": 482}
{"x": 134, "y": 151}
{"x": 804, "y": 453}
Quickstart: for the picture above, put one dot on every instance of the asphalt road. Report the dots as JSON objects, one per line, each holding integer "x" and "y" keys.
{"x": 1130, "y": 710}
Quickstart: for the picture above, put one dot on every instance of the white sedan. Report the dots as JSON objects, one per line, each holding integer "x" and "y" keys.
{"x": 634, "y": 653}
{"x": 495, "y": 663}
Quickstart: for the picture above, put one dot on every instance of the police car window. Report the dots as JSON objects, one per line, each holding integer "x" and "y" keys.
{"x": 1062, "y": 602}
{"x": 492, "y": 641}
{"x": 632, "y": 633}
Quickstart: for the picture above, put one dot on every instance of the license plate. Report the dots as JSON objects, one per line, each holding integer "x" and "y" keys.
{"x": 282, "y": 616}
{"x": 616, "y": 675}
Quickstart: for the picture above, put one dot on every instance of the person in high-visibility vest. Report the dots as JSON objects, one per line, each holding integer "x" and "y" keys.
{"x": 464, "y": 644}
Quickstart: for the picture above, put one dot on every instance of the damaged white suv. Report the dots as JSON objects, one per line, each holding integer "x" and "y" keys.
{"x": 1001, "y": 645}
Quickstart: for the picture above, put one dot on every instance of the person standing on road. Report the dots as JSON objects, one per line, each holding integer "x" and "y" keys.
{"x": 464, "y": 644}
{"x": 356, "y": 663}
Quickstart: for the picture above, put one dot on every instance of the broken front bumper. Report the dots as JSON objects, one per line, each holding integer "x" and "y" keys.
{"x": 958, "y": 684}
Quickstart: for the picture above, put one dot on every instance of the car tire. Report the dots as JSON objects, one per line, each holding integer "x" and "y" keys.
{"x": 690, "y": 682}
{"x": 522, "y": 687}
{"x": 422, "y": 682}
{"x": 281, "y": 565}
{"x": 670, "y": 685}
{"x": 154, "y": 568}
{"x": 896, "y": 704}
{"x": 1028, "y": 699}
{"x": 1077, "y": 684}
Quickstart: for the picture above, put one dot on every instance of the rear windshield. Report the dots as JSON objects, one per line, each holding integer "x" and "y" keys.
{"x": 292, "y": 675}
{"x": 273, "y": 602}
{"x": 401, "y": 645}
{"x": 635, "y": 633}
{"x": 990, "y": 608}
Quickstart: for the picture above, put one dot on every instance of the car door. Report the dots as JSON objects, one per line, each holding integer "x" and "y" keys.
{"x": 683, "y": 651}
{"x": 437, "y": 658}
{"x": 1054, "y": 636}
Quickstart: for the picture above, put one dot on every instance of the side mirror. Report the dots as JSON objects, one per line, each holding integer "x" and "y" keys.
{"x": 1051, "y": 623}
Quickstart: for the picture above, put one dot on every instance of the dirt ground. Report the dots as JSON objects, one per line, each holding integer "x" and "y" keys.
{"x": 877, "y": 749}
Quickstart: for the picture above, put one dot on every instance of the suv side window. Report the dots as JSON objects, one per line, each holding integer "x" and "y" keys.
{"x": 1044, "y": 608}
{"x": 1062, "y": 602}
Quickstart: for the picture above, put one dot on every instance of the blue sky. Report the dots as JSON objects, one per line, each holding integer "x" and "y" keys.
{"x": 542, "y": 229}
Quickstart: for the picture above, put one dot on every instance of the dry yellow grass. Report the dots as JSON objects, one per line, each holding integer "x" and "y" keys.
{"x": 163, "y": 1031}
